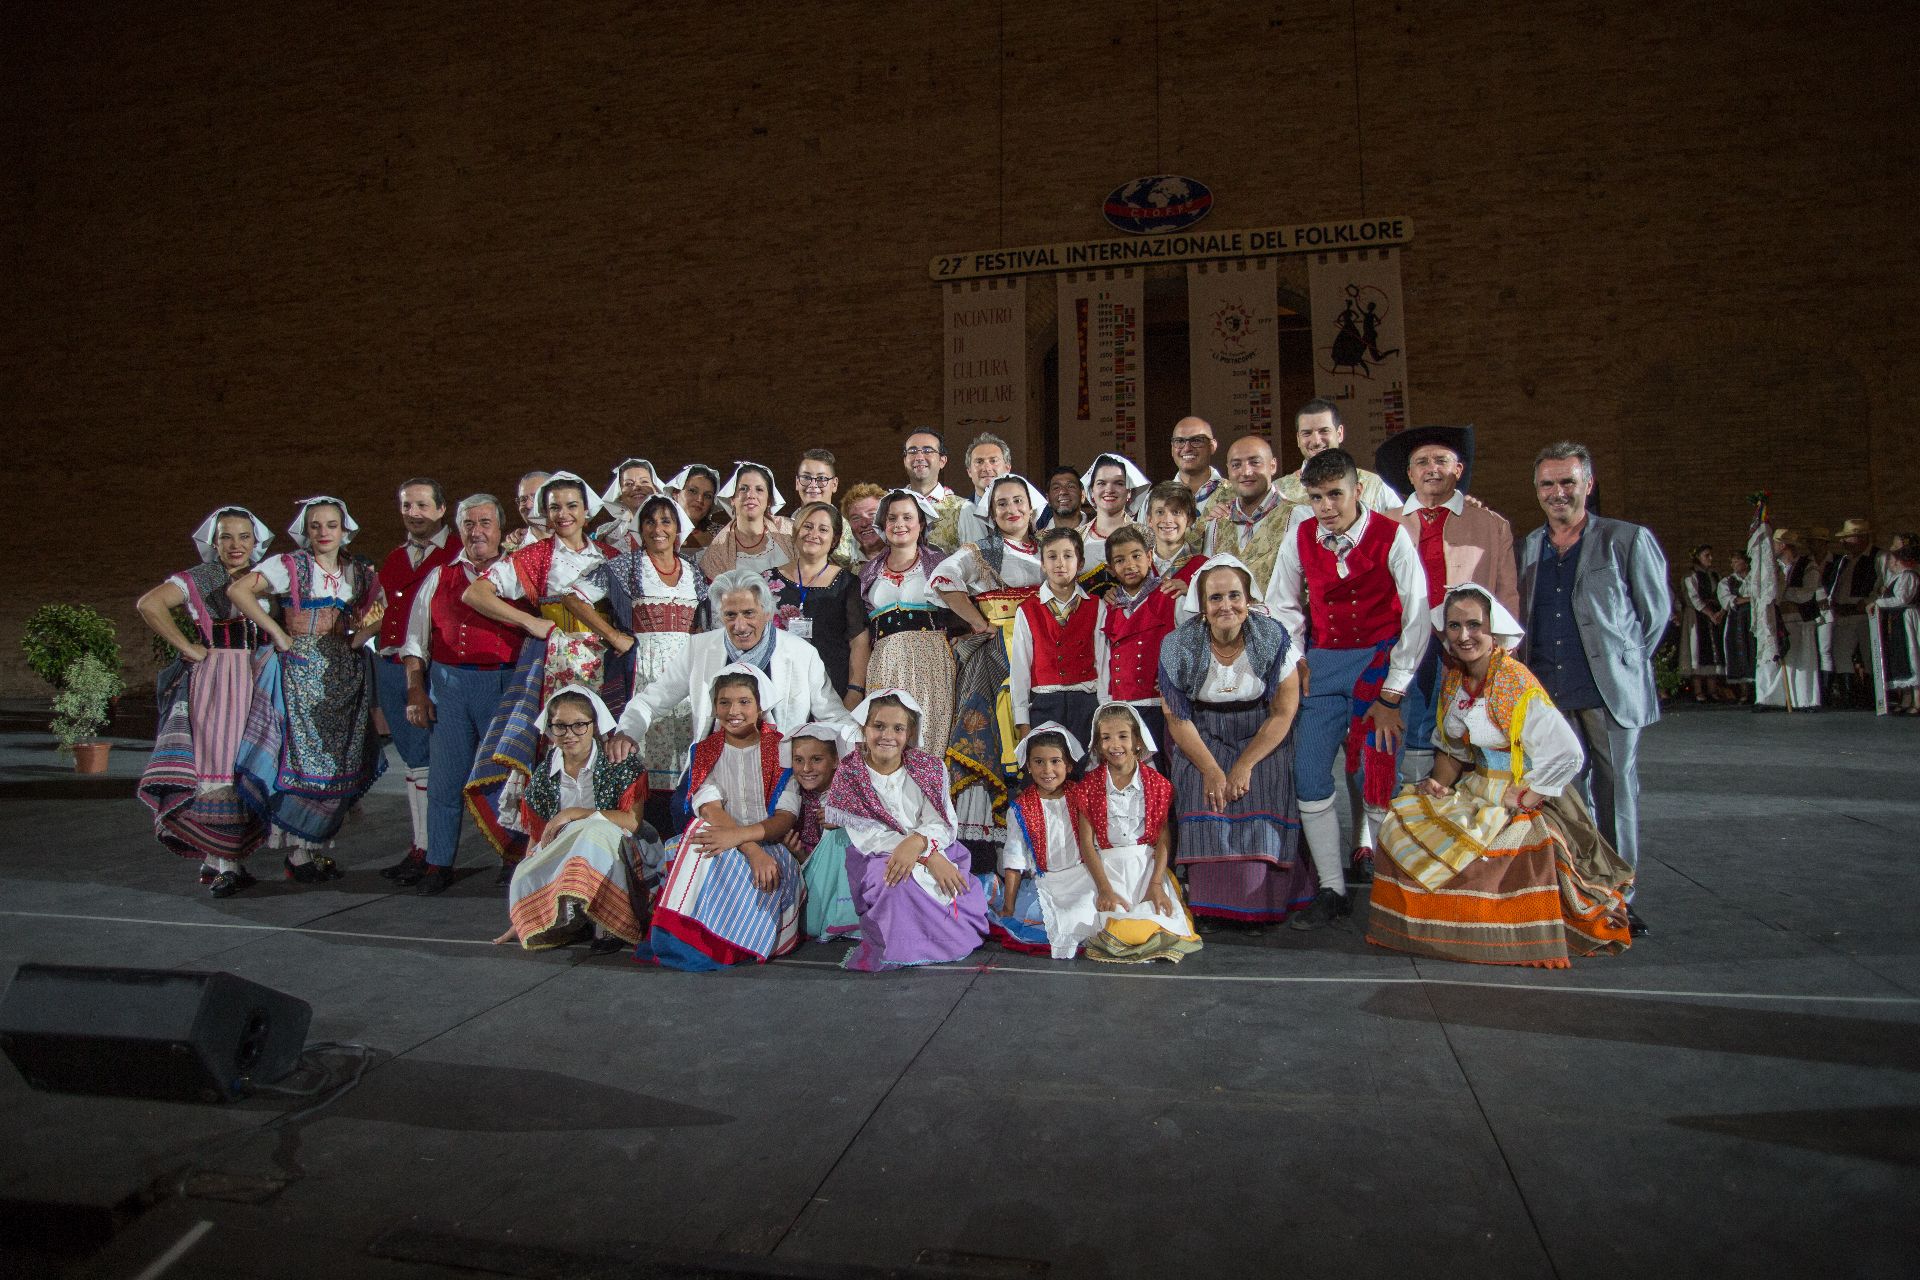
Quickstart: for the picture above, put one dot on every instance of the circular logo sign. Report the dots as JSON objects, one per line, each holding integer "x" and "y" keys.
{"x": 1164, "y": 202}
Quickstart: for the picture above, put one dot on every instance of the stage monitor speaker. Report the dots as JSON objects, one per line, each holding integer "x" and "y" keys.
{"x": 170, "y": 1034}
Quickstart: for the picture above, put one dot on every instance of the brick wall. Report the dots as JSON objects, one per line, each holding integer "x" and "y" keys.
{"x": 253, "y": 252}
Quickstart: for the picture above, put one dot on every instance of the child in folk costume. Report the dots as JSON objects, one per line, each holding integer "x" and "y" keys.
{"x": 1057, "y": 648}
{"x": 1135, "y": 618}
{"x": 1041, "y": 837}
{"x": 1121, "y": 901}
{"x": 732, "y": 893}
{"x": 1171, "y": 513}
{"x": 816, "y": 750}
{"x": 906, "y": 870}
{"x": 586, "y": 869}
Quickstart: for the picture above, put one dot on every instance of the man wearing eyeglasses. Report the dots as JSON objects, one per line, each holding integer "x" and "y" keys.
{"x": 1193, "y": 448}
{"x": 925, "y": 456}
{"x": 818, "y": 480}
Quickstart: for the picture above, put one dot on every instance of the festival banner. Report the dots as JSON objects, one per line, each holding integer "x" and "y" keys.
{"x": 1102, "y": 383}
{"x": 1359, "y": 342}
{"x": 986, "y": 361}
{"x": 1234, "y": 345}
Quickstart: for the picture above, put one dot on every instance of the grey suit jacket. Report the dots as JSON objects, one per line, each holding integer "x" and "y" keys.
{"x": 1621, "y": 604}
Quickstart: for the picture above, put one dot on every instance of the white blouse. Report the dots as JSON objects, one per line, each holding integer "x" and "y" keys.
{"x": 1732, "y": 590}
{"x": 1126, "y": 811}
{"x": 1552, "y": 748}
{"x": 905, "y": 802}
{"x": 966, "y": 571}
{"x": 1901, "y": 590}
{"x": 1063, "y": 842}
{"x": 736, "y": 782}
{"x": 912, "y": 589}
{"x": 654, "y": 589}
{"x": 1238, "y": 681}
{"x": 320, "y": 585}
{"x": 575, "y": 793}
{"x": 571, "y": 572}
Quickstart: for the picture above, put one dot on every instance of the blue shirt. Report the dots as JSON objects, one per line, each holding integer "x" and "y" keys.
{"x": 1554, "y": 651}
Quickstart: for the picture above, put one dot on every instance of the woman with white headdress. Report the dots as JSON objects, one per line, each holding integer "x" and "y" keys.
{"x": 562, "y": 579}
{"x": 1493, "y": 858}
{"x": 634, "y": 481}
{"x": 588, "y": 866}
{"x": 732, "y": 892}
{"x": 658, "y": 597}
{"x": 904, "y": 615}
{"x": 696, "y": 487}
{"x": 1116, "y": 487}
{"x": 205, "y": 695}
{"x": 751, "y": 541}
{"x": 816, "y": 750}
{"x": 906, "y": 869}
{"x": 309, "y": 751}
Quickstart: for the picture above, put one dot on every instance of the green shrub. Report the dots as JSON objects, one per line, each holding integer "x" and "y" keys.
{"x": 58, "y": 635}
{"x": 163, "y": 653}
{"x": 83, "y": 704}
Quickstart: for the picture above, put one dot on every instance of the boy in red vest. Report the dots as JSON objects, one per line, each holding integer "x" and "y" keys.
{"x": 1135, "y": 617}
{"x": 1057, "y": 650}
{"x": 423, "y": 510}
{"x": 1349, "y": 588}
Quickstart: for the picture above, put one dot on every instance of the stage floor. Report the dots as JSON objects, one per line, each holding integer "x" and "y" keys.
{"x": 1736, "y": 1094}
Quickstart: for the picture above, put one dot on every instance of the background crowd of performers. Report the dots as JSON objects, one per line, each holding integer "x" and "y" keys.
{"x": 1099, "y": 717}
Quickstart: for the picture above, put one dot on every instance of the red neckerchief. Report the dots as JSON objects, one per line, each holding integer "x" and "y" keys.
{"x": 706, "y": 754}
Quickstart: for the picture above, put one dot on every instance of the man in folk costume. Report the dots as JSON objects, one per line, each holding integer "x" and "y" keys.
{"x": 1319, "y": 427}
{"x": 1350, "y": 590}
{"x": 1851, "y": 581}
{"x": 743, "y": 608}
{"x": 1594, "y": 594}
{"x": 924, "y": 454}
{"x": 1459, "y": 541}
{"x": 423, "y": 510}
{"x": 458, "y": 662}
{"x": 1792, "y": 682}
{"x": 1248, "y": 517}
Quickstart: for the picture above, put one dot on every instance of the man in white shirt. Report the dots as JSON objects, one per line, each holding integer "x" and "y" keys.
{"x": 924, "y": 453}
{"x": 988, "y": 458}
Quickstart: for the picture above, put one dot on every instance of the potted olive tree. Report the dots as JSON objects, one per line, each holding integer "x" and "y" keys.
{"x": 80, "y": 711}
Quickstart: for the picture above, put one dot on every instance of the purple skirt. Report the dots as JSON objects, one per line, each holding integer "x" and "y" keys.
{"x": 905, "y": 924}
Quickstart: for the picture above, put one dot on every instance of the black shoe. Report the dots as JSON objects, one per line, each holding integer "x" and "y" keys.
{"x": 608, "y": 945}
{"x": 413, "y": 864}
{"x": 318, "y": 870}
{"x": 504, "y": 876}
{"x": 434, "y": 881}
{"x": 207, "y": 873}
{"x": 1360, "y": 867}
{"x": 228, "y": 883}
{"x": 1636, "y": 927}
{"x": 1326, "y": 907}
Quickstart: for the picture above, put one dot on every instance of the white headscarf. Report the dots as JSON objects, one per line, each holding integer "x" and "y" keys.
{"x": 762, "y": 685}
{"x": 1506, "y": 629}
{"x": 1074, "y": 750}
{"x": 298, "y": 529}
{"x": 1147, "y": 745}
{"x": 688, "y": 472}
{"x": 843, "y": 738}
{"x": 774, "y": 501}
{"x": 566, "y": 477}
{"x": 866, "y": 704}
{"x": 204, "y": 535}
{"x": 683, "y": 522}
{"x": 1137, "y": 482}
{"x": 1036, "y": 500}
{"x": 611, "y": 497}
{"x": 603, "y": 721}
{"x": 1225, "y": 560}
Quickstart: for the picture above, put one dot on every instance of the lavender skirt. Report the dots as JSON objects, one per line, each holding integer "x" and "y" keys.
{"x": 909, "y": 923}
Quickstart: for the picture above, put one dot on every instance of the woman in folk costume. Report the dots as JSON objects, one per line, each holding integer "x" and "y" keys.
{"x": 634, "y": 481}
{"x": 205, "y": 696}
{"x": 1229, "y": 682}
{"x": 1041, "y": 837}
{"x": 588, "y": 867}
{"x": 1116, "y": 488}
{"x": 816, "y": 750}
{"x": 984, "y": 583}
{"x": 658, "y": 597}
{"x": 309, "y": 752}
{"x": 1493, "y": 858}
{"x": 751, "y": 541}
{"x": 905, "y": 868}
{"x": 910, "y": 649}
{"x": 696, "y": 487}
{"x": 1736, "y": 627}
{"x": 1703, "y": 658}
{"x": 1897, "y": 614}
{"x": 732, "y": 892}
{"x": 1121, "y": 902}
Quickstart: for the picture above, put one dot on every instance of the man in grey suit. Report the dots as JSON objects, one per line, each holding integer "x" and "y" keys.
{"x": 1594, "y": 600}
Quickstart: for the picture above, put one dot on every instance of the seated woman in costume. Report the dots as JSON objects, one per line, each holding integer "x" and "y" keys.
{"x": 732, "y": 892}
{"x": 1231, "y": 692}
{"x": 1041, "y": 837}
{"x": 905, "y": 868}
{"x": 1493, "y": 858}
{"x": 816, "y": 751}
{"x": 658, "y": 597}
{"x": 1121, "y": 903}
{"x": 586, "y": 869}
{"x": 204, "y": 700}
{"x": 751, "y": 541}
{"x": 818, "y": 599}
{"x": 309, "y": 752}
{"x": 910, "y": 649}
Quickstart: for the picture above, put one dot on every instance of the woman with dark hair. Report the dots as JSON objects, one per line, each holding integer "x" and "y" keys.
{"x": 910, "y": 649}
{"x": 1736, "y": 629}
{"x": 205, "y": 696}
{"x": 751, "y": 541}
{"x": 1703, "y": 657}
{"x": 1231, "y": 691}
{"x": 658, "y": 597}
{"x": 309, "y": 752}
{"x": 818, "y": 599}
{"x": 696, "y": 488}
{"x": 634, "y": 481}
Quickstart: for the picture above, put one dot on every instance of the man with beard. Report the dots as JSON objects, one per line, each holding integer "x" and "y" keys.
{"x": 1248, "y": 516}
{"x": 1066, "y": 500}
{"x": 1318, "y": 427}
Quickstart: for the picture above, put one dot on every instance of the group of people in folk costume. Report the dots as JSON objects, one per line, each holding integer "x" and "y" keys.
{"x": 1091, "y": 720}
{"x": 1805, "y": 621}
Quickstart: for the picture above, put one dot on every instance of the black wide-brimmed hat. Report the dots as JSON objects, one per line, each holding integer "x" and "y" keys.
{"x": 1395, "y": 452}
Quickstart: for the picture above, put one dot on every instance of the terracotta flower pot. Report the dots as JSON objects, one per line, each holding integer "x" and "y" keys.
{"x": 91, "y": 757}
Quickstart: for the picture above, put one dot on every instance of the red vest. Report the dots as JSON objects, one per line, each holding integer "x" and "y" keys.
{"x": 1433, "y": 551}
{"x": 398, "y": 578}
{"x": 1061, "y": 655}
{"x": 1089, "y": 796}
{"x": 459, "y": 635}
{"x": 1133, "y": 647}
{"x": 1361, "y": 609}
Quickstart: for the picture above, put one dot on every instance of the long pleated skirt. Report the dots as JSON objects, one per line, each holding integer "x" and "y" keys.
{"x": 1246, "y": 862}
{"x": 921, "y": 662}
